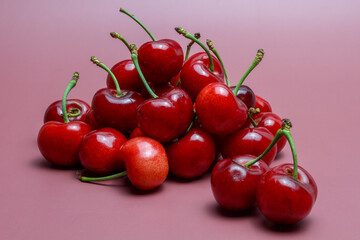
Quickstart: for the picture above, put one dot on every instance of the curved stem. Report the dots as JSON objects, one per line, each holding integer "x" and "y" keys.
{"x": 212, "y": 48}
{"x": 134, "y": 57}
{"x": 89, "y": 179}
{"x": 191, "y": 37}
{"x": 251, "y": 112}
{"x": 118, "y": 36}
{"x": 74, "y": 112}
{"x": 197, "y": 36}
{"x": 140, "y": 23}
{"x": 257, "y": 60}
{"x": 103, "y": 66}
{"x": 283, "y": 131}
{"x": 70, "y": 86}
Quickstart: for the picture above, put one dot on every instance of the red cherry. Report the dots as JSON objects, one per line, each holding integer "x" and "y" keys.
{"x": 219, "y": 111}
{"x": 195, "y": 74}
{"x": 283, "y": 199}
{"x": 146, "y": 162}
{"x": 191, "y": 155}
{"x": 136, "y": 133}
{"x": 246, "y": 95}
{"x": 90, "y": 119}
{"x": 76, "y": 109}
{"x": 251, "y": 141}
{"x": 160, "y": 60}
{"x": 59, "y": 142}
{"x": 233, "y": 185}
{"x": 100, "y": 149}
{"x": 114, "y": 111}
{"x": 127, "y": 76}
{"x": 262, "y": 104}
{"x": 167, "y": 117}
{"x": 115, "y": 108}
{"x": 271, "y": 122}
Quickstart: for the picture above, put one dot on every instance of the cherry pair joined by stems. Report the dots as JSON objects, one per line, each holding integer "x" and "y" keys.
{"x": 145, "y": 161}
{"x": 58, "y": 142}
{"x": 284, "y": 194}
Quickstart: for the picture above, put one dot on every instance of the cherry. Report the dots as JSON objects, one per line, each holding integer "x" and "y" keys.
{"x": 219, "y": 111}
{"x": 287, "y": 193}
{"x": 146, "y": 164}
{"x": 251, "y": 141}
{"x": 233, "y": 185}
{"x": 246, "y": 95}
{"x": 166, "y": 117}
{"x": 124, "y": 71}
{"x": 160, "y": 60}
{"x": 59, "y": 142}
{"x": 262, "y": 104}
{"x": 199, "y": 70}
{"x": 90, "y": 119}
{"x": 115, "y": 108}
{"x": 271, "y": 122}
{"x": 76, "y": 110}
{"x": 136, "y": 133}
{"x": 99, "y": 151}
{"x": 192, "y": 155}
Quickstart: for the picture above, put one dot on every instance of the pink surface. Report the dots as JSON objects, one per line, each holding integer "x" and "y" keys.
{"x": 310, "y": 74}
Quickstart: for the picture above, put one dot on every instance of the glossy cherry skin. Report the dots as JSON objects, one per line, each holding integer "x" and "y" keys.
{"x": 146, "y": 162}
{"x": 195, "y": 74}
{"x": 166, "y": 117}
{"x": 251, "y": 141}
{"x": 233, "y": 185}
{"x": 160, "y": 60}
{"x": 246, "y": 95}
{"x": 99, "y": 151}
{"x": 219, "y": 111}
{"x": 116, "y": 112}
{"x": 59, "y": 142}
{"x": 54, "y": 111}
{"x": 262, "y": 104}
{"x": 271, "y": 122}
{"x": 283, "y": 199}
{"x": 126, "y": 75}
{"x": 192, "y": 155}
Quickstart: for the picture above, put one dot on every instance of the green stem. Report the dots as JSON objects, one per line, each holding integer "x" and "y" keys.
{"x": 191, "y": 37}
{"x": 89, "y": 179}
{"x": 197, "y": 36}
{"x": 140, "y": 23}
{"x": 283, "y": 131}
{"x": 134, "y": 57}
{"x": 251, "y": 112}
{"x": 118, "y": 36}
{"x": 257, "y": 60}
{"x": 103, "y": 66}
{"x": 70, "y": 86}
{"x": 74, "y": 112}
{"x": 212, "y": 48}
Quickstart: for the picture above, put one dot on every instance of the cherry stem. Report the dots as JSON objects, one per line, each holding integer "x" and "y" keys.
{"x": 103, "y": 66}
{"x": 118, "y": 36}
{"x": 134, "y": 57}
{"x": 74, "y": 112}
{"x": 140, "y": 23}
{"x": 283, "y": 131}
{"x": 90, "y": 179}
{"x": 70, "y": 86}
{"x": 251, "y": 112}
{"x": 212, "y": 48}
{"x": 197, "y": 36}
{"x": 191, "y": 37}
{"x": 257, "y": 60}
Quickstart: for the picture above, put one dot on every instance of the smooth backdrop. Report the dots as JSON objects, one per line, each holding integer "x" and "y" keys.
{"x": 310, "y": 74}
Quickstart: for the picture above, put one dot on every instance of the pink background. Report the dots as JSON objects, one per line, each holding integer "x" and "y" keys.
{"x": 310, "y": 74}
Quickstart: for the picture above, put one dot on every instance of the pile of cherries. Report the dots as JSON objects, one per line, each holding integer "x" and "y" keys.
{"x": 160, "y": 113}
